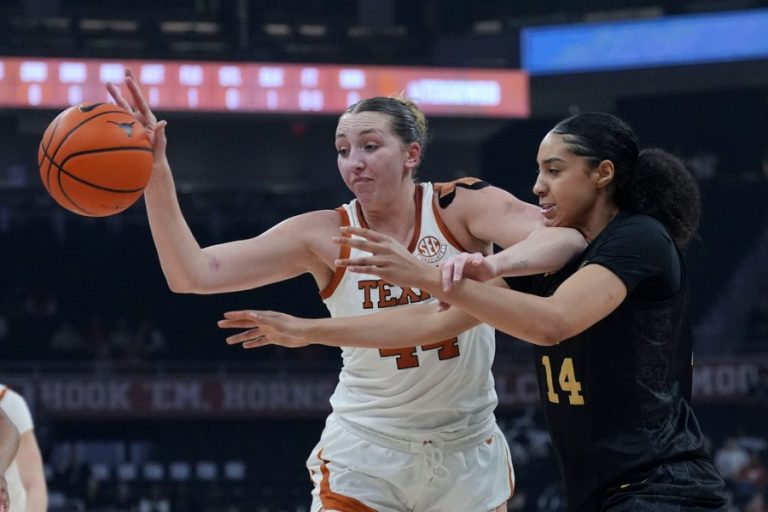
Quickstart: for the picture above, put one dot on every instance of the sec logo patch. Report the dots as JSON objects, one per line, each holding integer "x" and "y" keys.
{"x": 430, "y": 249}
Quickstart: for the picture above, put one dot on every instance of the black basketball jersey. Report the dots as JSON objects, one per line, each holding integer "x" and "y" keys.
{"x": 616, "y": 396}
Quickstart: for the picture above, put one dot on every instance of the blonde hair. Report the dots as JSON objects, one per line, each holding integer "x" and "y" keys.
{"x": 409, "y": 123}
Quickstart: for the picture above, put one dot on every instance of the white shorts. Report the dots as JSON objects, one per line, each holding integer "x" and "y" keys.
{"x": 358, "y": 470}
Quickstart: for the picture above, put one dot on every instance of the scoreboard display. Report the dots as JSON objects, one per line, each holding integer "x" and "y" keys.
{"x": 264, "y": 87}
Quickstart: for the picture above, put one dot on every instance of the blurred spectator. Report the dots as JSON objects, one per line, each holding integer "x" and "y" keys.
{"x": 124, "y": 498}
{"x": 120, "y": 336}
{"x": 757, "y": 503}
{"x": 67, "y": 342}
{"x": 149, "y": 338}
{"x": 753, "y": 477}
{"x": 71, "y": 475}
{"x": 731, "y": 458}
{"x": 157, "y": 501}
{"x": 752, "y": 443}
{"x": 702, "y": 164}
{"x": 97, "y": 340}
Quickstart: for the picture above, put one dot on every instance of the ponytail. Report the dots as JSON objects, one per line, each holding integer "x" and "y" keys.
{"x": 663, "y": 188}
{"x": 649, "y": 181}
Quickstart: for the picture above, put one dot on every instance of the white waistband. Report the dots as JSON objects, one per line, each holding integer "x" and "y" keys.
{"x": 447, "y": 442}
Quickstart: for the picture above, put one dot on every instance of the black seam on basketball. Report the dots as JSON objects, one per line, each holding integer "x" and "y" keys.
{"x": 66, "y": 195}
{"x": 71, "y": 131}
{"x": 84, "y": 121}
{"x": 61, "y": 169}
{"x": 45, "y": 153}
{"x": 43, "y": 146}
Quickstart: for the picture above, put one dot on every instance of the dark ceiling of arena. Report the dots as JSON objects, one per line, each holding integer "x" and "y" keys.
{"x": 422, "y": 32}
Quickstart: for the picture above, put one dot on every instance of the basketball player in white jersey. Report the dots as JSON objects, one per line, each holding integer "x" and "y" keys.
{"x": 411, "y": 429}
{"x": 9, "y": 445}
{"x": 25, "y": 476}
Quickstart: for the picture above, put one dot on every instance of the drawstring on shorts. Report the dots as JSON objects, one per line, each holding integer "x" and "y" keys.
{"x": 435, "y": 467}
{"x": 433, "y": 449}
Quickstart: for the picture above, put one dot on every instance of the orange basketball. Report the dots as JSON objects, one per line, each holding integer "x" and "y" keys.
{"x": 95, "y": 159}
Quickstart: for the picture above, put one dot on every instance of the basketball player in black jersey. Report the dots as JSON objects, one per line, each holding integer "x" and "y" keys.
{"x": 611, "y": 329}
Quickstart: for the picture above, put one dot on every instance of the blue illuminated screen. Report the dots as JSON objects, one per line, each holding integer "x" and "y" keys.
{"x": 669, "y": 41}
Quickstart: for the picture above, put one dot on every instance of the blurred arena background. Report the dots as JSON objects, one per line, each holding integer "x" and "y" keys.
{"x": 138, "y": 402}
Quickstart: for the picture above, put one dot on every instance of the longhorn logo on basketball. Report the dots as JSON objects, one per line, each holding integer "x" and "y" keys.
{"x": 126, "y": 127}
{"x": 430, "y": 249}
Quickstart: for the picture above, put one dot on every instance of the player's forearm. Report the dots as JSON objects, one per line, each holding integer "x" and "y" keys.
{"x": 396, "y": 328}
{"x": 179, "y": 253}
{"x": 545, "y": 250}
{"x": 37, "y": 497}
{"x": 527, "y": 317}
{"x": 30, "y": 463}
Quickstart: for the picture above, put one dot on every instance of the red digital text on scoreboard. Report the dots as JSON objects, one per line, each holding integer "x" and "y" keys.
{"x": 264, "y": 88}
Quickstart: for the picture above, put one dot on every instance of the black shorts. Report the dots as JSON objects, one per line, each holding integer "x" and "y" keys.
{"x": 680, "y": 486}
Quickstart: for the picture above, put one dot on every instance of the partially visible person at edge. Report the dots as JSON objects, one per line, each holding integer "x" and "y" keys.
{"x": 9, "y": 445}
{"x": 25, "y": 477}
{"x": 611, "y": 330}
{"x": 410, "y": 430}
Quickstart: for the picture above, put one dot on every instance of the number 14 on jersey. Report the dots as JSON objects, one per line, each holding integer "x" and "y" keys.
{"x": 566, "y": 379}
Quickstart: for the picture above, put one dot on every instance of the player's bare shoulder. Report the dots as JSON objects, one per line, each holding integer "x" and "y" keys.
{"x": 318, "y": 229}
{"x": 483, "y": 213}
{"x": 455, "y": 203}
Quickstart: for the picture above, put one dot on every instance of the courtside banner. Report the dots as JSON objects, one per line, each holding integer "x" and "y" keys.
{"x": 264, "y": 88}
{"x": 71, "y": 396}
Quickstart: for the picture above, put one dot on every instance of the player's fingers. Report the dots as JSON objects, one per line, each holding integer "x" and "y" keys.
{"x": 368, "y": 234}
{"x": 370, "y": 261}
{"x": 446, "y": 273}
{"x": 244, "y": 336}
{"x": 235, "y": 324}
{"x": 160, "y": 141}
{"x": 138, "y": 97}
{"x": 259, "y": 341}
{"x": 364, "y": 269}
{"x": 120, "y": 101}
{"x": 242, "y": 314}
{"x": 458, "y": 269}
{"x": 357, "y": 243}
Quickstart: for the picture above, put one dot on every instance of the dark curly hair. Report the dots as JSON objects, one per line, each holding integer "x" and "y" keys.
{"x": 650, "y": 181}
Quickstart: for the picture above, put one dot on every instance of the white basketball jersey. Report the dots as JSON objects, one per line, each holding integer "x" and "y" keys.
{"x": 444, "y": 386}
{"x": 18, "y": 412}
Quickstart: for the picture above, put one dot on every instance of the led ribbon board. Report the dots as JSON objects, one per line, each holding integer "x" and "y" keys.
{"x": 264, "y": 88}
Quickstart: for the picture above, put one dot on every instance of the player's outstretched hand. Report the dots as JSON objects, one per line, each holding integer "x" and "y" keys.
{"x": 265, "y": 328}
{"x": 389, "y": 259}
{"x": 467, "y": 266}
{"x": 141, "y": 111}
